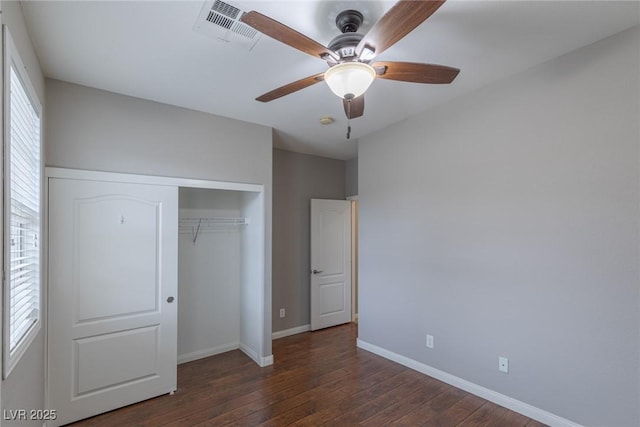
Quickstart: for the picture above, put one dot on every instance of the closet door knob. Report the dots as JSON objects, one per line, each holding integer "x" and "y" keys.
{"x": 170, "y": 299}
{"x": 317, "y": 271}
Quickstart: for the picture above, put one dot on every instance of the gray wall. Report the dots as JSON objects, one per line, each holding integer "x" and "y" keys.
{"x": 351, "y": 177}
{"x": 24, "y": 389}
{"x": 93, "y": 129}
{"x": 506, "y": 223}
{"x": 297, "y": 178}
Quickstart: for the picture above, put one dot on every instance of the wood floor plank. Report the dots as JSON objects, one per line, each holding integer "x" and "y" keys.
{"x": 534, "y": 423}
{"x": 458, "y": 412}
{"x": 484, "y": 415}
{"x": 278, "y": 386}
{"x": 509, "y": 418}
{"x": 427, "y": 389}
{"x": 358, "y": 393}
{"x": 437, "y": 405}
{"x": 259, "y": 411}
{"x": 401, "y": 386}
{"x": 319, "y": 379}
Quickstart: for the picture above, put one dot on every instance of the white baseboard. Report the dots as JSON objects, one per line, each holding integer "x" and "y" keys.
{"x": 261, "y": 361}
{"x": 266, "y": 361}
{"x": 490, "y": 395}
{"x": 292, "y": 331}
{"x": 200, "y": 354}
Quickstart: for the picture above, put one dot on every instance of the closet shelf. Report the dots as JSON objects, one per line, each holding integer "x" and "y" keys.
{"x": 195, "y": 226}
{"x": 210, "y": 223}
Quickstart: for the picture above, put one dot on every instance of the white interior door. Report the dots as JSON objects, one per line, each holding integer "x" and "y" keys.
{"x": 112, "y": 288}
{"x": 330, "y": 263}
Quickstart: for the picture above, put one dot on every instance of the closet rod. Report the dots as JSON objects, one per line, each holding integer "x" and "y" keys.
{"x": 214, "y": 221}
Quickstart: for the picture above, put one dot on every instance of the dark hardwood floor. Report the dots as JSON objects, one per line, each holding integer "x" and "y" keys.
{"x": 319, "y": 378}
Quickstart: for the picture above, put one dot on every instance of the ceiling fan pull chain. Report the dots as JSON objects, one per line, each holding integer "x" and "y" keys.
{"x": 349, "y": 118}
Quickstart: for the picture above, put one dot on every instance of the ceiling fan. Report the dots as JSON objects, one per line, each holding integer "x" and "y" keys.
{"x": 350, "y": 54}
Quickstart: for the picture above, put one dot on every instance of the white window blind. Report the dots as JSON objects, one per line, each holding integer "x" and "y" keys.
{"x": 24, "y": 276}
{"x": 22, "y": 192}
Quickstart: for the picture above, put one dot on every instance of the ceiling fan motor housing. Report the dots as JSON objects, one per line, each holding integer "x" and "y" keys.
{"x": 344, "y": 45}
{"x": 348, "y": 21}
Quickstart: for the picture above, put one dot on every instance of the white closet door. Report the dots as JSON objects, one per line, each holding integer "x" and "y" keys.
{"x": 112, "y": 288}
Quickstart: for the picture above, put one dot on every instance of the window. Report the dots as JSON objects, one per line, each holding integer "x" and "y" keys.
{"x": 22, "y": 209}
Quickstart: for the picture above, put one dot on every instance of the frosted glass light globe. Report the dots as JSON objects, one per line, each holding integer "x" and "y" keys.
{"x": 349, "y": 79}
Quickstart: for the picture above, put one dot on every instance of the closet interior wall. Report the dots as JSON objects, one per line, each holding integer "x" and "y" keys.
{"x": 209, "y": 273}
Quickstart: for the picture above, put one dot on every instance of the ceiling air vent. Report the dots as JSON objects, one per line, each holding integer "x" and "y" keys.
{"x": 221, "y": 21}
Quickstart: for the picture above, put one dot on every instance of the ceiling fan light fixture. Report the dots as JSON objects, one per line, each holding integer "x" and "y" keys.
{"x": 349, "y": 79}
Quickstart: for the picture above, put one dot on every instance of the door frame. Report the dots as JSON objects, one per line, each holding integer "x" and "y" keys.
{"x": 257, "y": 355}
{"x": 355, "y": 207}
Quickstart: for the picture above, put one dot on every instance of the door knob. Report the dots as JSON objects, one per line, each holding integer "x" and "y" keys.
{"x": 170, "y": 299}
{"x": 317, "y": 271}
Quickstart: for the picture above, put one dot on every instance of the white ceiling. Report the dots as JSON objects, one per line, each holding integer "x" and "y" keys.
{"x": 149, "y": 49}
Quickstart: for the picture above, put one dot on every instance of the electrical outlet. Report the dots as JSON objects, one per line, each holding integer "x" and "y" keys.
{"x": 429, "y": 341}
{"x": 503, "y": 364}
{"x": 281, "y": 313}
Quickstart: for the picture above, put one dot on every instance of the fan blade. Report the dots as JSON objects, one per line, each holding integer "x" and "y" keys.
{"x": 356, "y": 109}
{"x": 399, "y": 21}
{"x": 286, "y": 35}
{"x": 291, "y": 87}
{"x": 415, "y": 72}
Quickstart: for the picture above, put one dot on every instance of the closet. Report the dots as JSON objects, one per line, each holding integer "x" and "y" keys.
{"x": 210, "y": 247}
{"x": 221, "y": 267}
{"x": 145, "y": 272}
